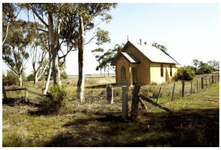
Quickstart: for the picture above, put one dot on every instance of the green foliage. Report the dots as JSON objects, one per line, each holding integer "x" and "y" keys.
{"x": 64, "y": 75}
{"x": 206, "y": 69}
{"x": 56, "y": 98}
{"x": 10, "y": 79}
{"x": 30, "y": 77}
{"x": 185, "y": 73}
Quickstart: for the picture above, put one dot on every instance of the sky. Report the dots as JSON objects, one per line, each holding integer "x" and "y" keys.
{"x": 188, "y": 30}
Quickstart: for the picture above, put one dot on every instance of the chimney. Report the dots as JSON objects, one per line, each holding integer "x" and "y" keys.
{"x": 140, "y": 41}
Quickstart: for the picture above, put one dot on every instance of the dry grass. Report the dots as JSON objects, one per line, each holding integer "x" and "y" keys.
{"x": 195, "y": 121}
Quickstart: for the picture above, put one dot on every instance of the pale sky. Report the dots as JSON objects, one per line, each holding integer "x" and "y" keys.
{"x": 188, "y": 30}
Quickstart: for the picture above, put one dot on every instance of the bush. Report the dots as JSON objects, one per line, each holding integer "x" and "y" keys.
{"x": 205, "y": 69}
{"x": 56, "y": 99}
{"x": 185, "y": 73}
{"x": 30, "y": 77}
{"x": 10, "y": 79}
{"x": 64, "y": 75}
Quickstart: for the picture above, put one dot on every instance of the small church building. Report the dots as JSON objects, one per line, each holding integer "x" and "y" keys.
{"x": 143, "y": 64}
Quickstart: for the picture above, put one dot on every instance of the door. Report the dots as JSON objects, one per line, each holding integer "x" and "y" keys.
{"x": 134, "y": 75}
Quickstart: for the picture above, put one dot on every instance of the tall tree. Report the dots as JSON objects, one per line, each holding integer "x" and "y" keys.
{"x": 14, "y": 52}
{"x": 87, "y": 12}
{"x": 10, "y": 12}
{"x": 107, "y": 57}
{"x": 51, "y": 16}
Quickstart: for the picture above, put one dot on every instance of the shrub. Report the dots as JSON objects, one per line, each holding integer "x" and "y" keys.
{"x": 10, "y": 79}
{"x": 185, "y": 73}
{"x": 30, "y": 77}
{"x": 64, "y": 75}
{"x": 205, "y": 69}
{"x": 56, "y": 99}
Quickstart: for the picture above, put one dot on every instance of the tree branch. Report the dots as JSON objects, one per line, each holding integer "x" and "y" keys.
{"x": 90, "y": 40}
{"x": 41, "y": 19}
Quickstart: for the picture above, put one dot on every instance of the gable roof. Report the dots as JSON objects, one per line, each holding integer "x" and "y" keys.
{"x": 153, "y": 54}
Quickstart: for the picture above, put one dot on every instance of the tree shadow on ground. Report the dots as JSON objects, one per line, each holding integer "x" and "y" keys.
{"x": 186, "y": 128}
{"x": 100, "y": 86}
{"x": 19, "y": 101}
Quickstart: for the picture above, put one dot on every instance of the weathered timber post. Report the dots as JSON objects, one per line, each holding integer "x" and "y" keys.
{"x": 26, "y": 94}
{"x": 218, "y": 78}
{"x": 109, "y": 91}
{"x": 4, "y": 92}
{"x": 212, "y": 80}
{"x": 135, "y": 103}
{"x": 124, "y": 102}
{"x": 158, "y": 94}
{"x": 201, "y": 82}
{"x": 173, "y": 92}
{"x": 206, "y": 82}
{"x": 183, "y": 87}
{"x": 191, "y": 89}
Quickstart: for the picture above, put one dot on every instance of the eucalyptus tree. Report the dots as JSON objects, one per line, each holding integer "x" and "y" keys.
{"x": 50, "y": 16}
{"x": 86, "y": 13}
{"x": 10, "y": 12}
{"x": 107, "y": 57}
{"x": 14, "y": 51}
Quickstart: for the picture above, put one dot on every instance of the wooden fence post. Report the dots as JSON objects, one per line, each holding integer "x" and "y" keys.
{"x": 135, "y": 103}
{"x": 212, "y": 80}
{"x": 206, "y": 82}
{"x": 4, "y": 92}
{"x": 158, "y": 94}
{"x": 201, "y": 82}
{"x": 124, "y": 102}
{"x": 26, "y": 94}
{"x": 173, "y": 92}
{"x": 183, "y": 88}
{"x": 109, "y": 91}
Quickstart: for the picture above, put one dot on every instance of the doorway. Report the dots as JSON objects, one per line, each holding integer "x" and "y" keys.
{"x": 134, "y": 75}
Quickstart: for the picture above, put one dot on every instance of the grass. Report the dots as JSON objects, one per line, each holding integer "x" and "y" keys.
{"x": 195, "y": 122}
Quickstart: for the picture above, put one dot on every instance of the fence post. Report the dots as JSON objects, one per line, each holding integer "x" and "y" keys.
{"x": 173, "y": 92}
{"x": 212, "y": 80}
{"x": 109, "y": 91}
{"x": 158, "y": 94}
{"x": 183, "y": 87}
{"x": 206, "y": 82}
{"x": 4, "y": 92}
{"x": 124, "y": 102}
{"x": 201, "y": 82}
{"x": 135, "y": 103}
{"x": 26, "y": 94}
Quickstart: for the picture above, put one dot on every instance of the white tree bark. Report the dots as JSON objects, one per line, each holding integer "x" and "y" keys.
{"x": 48, "y": 78}
{"x": 80, "y": 84}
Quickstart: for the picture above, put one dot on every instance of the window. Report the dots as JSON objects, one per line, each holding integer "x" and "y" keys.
{"x": 123, "y": 72}
{"x": 171, "y": 70}
{"x": 161, "y": 70}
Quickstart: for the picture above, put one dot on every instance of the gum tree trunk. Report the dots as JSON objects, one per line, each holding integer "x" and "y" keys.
{"x": 53, "y": 49}
{"x": 80, "y": 84}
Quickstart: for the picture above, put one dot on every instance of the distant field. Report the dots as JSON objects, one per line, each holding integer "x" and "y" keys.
{"x": 195, "y": 121}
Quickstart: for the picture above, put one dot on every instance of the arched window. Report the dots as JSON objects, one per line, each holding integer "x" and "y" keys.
{"x": 123, "y": 72}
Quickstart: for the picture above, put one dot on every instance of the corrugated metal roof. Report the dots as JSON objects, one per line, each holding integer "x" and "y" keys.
{"x": 130, "y": 57}
{"x": 154, "y": 54}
